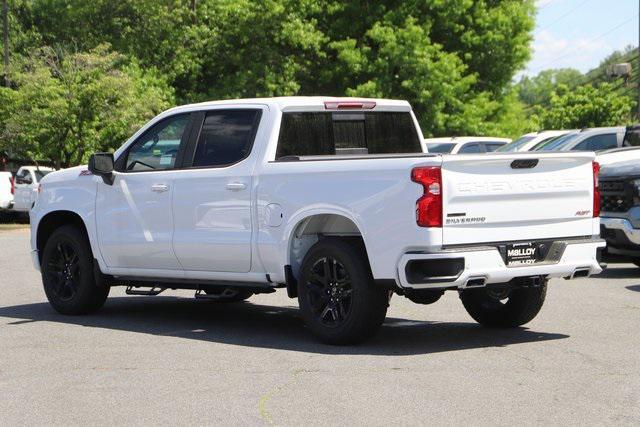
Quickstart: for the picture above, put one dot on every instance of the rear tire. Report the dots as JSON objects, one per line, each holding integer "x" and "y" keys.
{"x": 337, "y": 295}
{"x": 509, "y": 309}
{"x": 68, "y": 273}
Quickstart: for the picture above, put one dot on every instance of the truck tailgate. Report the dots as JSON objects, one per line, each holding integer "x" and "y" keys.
{"x": 498, "y": 198}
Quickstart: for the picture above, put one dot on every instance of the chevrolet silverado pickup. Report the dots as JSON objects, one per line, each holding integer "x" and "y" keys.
{"x": 335, "y": 199}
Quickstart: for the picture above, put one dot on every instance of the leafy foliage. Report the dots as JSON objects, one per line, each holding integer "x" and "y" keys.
{"x": 69, "y": 106}
{"x": 586, "y": 106}
{"x": 566, "y": 98}
{"x": 452, "y": 59}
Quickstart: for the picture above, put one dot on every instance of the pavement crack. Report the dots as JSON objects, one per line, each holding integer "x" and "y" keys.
{"x": 265, "y": 414}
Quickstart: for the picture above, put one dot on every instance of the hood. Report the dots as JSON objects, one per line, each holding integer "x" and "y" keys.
{"x": 68, "y": 174}
{"x": 621, "y": 169}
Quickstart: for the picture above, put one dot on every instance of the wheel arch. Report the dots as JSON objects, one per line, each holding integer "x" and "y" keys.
{"x": 54, "y": 220}
{"x": 307, "y": 229}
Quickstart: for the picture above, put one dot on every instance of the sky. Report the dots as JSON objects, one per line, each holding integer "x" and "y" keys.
{"x": 581, "y": 33}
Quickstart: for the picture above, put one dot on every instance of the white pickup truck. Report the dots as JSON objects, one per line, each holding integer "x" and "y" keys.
{"x": 25, "y": 186}
{"x": 334, "y": 199}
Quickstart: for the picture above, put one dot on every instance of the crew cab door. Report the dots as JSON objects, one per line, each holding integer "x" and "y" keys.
{"x": 134, "y": 215}
{"x": 212, "y": 197}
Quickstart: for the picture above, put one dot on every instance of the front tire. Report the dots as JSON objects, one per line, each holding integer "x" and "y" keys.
{"x": 337, "y": 295}
{"x": 507, "y": 307}
{"x": 68, "y": 275}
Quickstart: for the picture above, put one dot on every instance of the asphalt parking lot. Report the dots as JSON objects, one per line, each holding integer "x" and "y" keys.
{"x": 174, "y": 360}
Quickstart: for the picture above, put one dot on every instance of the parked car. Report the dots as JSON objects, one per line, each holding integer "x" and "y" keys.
{"x": 594, "y": 139}
{"x": 333, "y": 199}
{"x": 465, "y": 144}
{"x": 529, "y": 141}
{"x": 26, "y": 186}
{"x": 6, "y": 191}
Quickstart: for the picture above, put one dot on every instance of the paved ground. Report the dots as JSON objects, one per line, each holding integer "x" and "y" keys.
{"x": 172, "y": 359}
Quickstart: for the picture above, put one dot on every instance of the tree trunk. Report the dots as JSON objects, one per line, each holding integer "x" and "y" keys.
{"x": 5, "y": 39}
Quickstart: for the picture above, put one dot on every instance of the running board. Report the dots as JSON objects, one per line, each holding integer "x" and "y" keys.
{"x": 150, "y": 292}
{"x": 226, "y": 293}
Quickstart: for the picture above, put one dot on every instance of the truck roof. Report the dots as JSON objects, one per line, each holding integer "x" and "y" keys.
{"x": 292, "y": 103}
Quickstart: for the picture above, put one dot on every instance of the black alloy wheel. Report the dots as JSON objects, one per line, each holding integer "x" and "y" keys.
{"x": 63, "y": 273}
{"x": 329, "y": 291}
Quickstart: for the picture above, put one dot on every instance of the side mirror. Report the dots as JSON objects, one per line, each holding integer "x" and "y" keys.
{"x": 101, "y": 164}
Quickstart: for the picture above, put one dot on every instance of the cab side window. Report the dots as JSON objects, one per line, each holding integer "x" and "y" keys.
{"x": 226, "y": 137}
{"x": 492, "y": 146}
{"x": 598, "y": 142}
{"x": 157, "y": 148}
{"x": 471, "y": 148}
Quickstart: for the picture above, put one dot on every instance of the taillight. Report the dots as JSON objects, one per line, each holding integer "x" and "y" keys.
{"x": 13, "y": 185}
{"x": 429, "y": 206}
{"x": 596, "y": 191}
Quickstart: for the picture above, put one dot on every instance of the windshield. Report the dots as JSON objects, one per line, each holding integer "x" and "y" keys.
{"x": 517, "y": 144}
{"x": 544, "y": 142}
{"x": 440, "y": 148}
{"x": 557, "y": 143}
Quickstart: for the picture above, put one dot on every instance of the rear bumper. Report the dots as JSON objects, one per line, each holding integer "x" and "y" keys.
{"x": 484, "y": 265}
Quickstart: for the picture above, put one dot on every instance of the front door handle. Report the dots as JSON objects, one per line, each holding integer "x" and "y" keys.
{"x": 236, "y": 186}
{"x": 159, "y": 188}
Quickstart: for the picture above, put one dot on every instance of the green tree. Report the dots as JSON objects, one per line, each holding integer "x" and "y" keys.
{"x": 66, "y": 106}
{"x": 447, "y": 57}
{"x": 587, "y": 106}
{"x": 538, "y": 90}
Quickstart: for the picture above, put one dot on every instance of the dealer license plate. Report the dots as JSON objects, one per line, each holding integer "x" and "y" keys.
{"x": 523, "y": 254}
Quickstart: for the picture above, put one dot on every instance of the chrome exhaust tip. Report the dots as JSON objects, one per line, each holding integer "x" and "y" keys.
{"x": 580, "y": 272}
{"x": 475, "y": 282}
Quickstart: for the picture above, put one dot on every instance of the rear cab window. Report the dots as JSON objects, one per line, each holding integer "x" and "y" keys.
{"x": 347, "y": 133}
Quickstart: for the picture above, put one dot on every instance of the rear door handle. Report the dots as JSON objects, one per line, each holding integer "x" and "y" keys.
{"x": 236, "y": 186}
{"x": 159, "y": 188}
